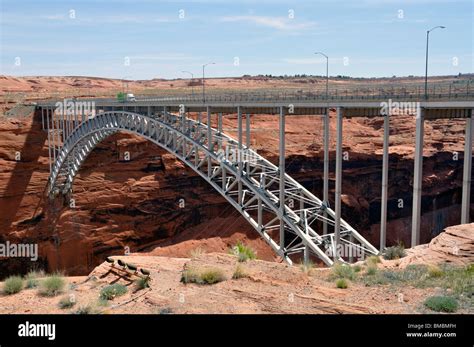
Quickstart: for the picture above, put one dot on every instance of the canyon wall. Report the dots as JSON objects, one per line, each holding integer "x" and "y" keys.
{"x": 154, "y": 203}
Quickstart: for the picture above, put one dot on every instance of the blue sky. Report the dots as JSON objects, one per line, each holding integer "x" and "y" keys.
{"x": 158, "y": 39}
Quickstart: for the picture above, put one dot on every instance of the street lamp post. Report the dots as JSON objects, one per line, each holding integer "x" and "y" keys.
{"x": 426, "y": 58}
{"x": 327, "y": 73}
{"x": 192, "y": 80}
{"x": 326, "y": 144}
{"x": 203, "y": 78}
{"x": 125, "y": 86}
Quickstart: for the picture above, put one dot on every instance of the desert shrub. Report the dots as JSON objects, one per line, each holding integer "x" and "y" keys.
{"x": 243, "y": 252}
{"x": 371, "y": 270}
{"x": 32, "y": 279}
{"x": 341, "y": 283}
{"x": 142, "y": 283}
{"x": 442, "y": 304}
{"x": 89, "y": 308}
{"x": 410, "y": 274}
{"x": 52, "y": 285}
{"x": 84, "y": 309}
{"x": 67, "y": 301}
{"x": 434, "y": 271}
{"x": 459, "y": 279}
{"x": 414, "y": 273}
{"x": 206, "y": 276}
{"x": 357, "y": 268}
{"x": 102, "y": 302}
{"x": 190, "y": 275}
{"x": 212, "y": 276}
{"x": 391, "y": 276}
{"x": 394, "y": 252}
{"x": 377, "y": 279}
{"x": 13, "y": 285}
{"x": 112, "y": 291}
{"x": 340, "y": 270}
{"x": 373, "y": 260}
{"x": 239, "y": 272}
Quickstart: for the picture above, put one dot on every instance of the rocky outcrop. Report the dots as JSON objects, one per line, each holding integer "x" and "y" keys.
{"x": 455, "y": 246}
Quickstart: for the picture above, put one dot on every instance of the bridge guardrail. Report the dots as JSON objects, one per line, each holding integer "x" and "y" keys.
{"x": 436, "y": 92}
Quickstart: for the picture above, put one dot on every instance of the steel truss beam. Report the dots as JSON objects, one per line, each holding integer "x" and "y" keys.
{"x": 245, "y": 179}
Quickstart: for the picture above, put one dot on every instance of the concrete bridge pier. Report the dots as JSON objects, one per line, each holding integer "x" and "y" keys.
{"x": 418, "y": 177}
{"x": 385, "y": 161}
{"x": 466, "y": 184}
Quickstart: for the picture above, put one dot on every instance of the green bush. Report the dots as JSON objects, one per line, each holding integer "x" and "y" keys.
{"x": 340, "y": 270}
{"x": 212, "y": 276}
{"x": 413, "y": 273}
{"x": 67, "y": 301}
{"x": 371, "y": 270}
{"x": 357, "y": 268}
{"x": 112, "y": 291}
{"x": 243, "y": 253}
{"x": 52, "y": 285}
{"x": 102, "y": 303}
{"x": 341, "y": 283}
{"x": 190, "y": 275}
{"x": 394, "y": 252}
{"x": 142, "y": 283}
{"x": 239, "y": 273}
{"x": 32, "y": 279}
{"x": 442, "y": 304}
{"x": 12, "y": 285}
{"x": 459, "y": 279}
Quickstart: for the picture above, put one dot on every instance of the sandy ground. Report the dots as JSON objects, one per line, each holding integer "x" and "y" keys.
{"x": 269, "y": 288}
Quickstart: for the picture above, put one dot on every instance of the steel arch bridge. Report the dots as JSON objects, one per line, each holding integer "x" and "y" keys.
{"x": 243, "y": 177}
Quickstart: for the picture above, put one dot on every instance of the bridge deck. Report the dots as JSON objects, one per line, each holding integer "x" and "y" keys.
{"x": 352, "y": 108}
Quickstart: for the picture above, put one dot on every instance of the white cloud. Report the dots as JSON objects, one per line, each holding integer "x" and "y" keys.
{"x": 280, "y": 23}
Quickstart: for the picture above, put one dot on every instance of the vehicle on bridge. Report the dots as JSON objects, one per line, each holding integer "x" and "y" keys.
{"x": 122, "y": 97}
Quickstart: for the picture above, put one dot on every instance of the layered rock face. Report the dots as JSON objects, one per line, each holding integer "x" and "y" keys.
{"x": 154, "y": 203}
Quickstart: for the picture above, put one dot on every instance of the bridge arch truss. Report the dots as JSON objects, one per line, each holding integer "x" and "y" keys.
{"x": 288, "y": 219}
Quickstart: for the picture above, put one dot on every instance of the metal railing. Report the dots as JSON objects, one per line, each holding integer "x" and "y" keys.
{"x": 435, "y": 92}
{"x": 458, "y": 90}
